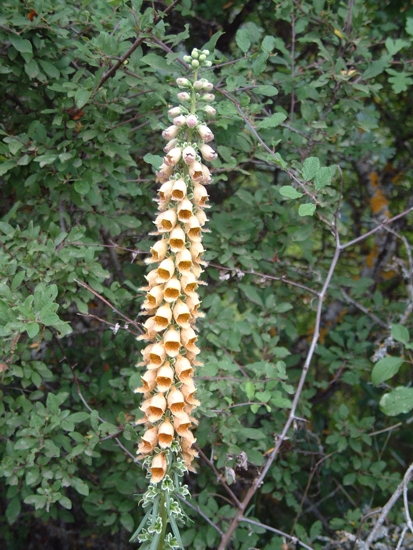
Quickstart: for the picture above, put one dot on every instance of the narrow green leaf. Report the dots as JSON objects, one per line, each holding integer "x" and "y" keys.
{"x": 141, "y": 526}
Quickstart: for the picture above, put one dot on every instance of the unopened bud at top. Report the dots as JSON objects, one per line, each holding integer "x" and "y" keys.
{"x": 207, "y": 64}
{"x": 183, "y": 96}
{"x": 205, "y": 133}
{"x": 205, "y": 52}
{"x": 171, "y": 132}
{"x": 202, "y": 57}
{"x": 191, "y": 121}
{"x": 183, "y": 83}
{"x": 209, "y": 110}
{"x": 208, "y": 86}
{"x": 195, "y": 53}
{"x": 179, "y": 120}
{"x": 208, "y": 97}
{"x": 187, "y": 58}
{"x": 175, "y": 111}
{"x": 195, "y": 63}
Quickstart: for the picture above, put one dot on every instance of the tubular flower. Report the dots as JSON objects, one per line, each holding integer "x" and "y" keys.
{"x": 172, "y": 302}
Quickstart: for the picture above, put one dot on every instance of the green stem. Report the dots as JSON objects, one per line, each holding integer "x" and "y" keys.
{"x": 193, "y": 104}
{"x": 162, "y": 512}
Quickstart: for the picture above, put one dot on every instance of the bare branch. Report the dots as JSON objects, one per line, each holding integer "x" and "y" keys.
{"x": 402, "y": 487}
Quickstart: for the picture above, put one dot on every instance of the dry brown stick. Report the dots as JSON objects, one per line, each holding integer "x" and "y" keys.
{"x": 279, "y": 439}
{"x": 90, "y": 289}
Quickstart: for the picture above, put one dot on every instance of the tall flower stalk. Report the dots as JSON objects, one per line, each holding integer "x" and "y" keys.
{"x": 172, "y": 306}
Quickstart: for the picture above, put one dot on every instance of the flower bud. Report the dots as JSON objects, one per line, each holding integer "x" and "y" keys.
{"x": 183, "y": 96}
{"x": 205, "y": 133}
{"x": 207, "y": 64}
{"x": 179, "y": 120}
{"x": 164, "y": 173}
{"x": 171, "y": 132}
{"x": 195, "y": 64}
{"x": 202, "y": 58}
{"x": 195, "y": 53}
{"x": 191, "y": 121}
{"x": 187, "y": 58}
{"x": 183, "y": 83}
{"x": 209, "y": 110}
{"x": 199, "y": 84}
{"x": 175, "y": 111}
{"x": 208, "y": 86}
{"x": 173, "y": 157}
{"x": 207, "y": 152}
{"x": 170, "y": 145}
{"x": 205, "y": 52}
{"x": 189, "y": 155}
{"x": 208, "y": 97}
{"x": 207, "y": 178}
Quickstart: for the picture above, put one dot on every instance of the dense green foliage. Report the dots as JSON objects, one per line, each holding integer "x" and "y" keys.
{"x": 314, "y": 134}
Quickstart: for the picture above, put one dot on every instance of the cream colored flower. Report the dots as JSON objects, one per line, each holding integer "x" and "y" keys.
{"x": 165, "y": 270}
{"x": 162, "y": 317}
{"x": 164, "y": 377}
{"x": 178, "y": 190}
{"x": 183, "y": 369}
{"x": 172, "y": 342}
{"x": 184, "y": 210}
{"x": 181, "y": 314}
{"x": 165, "y": 434}
{"x": 158, "y": 468}
{"x": 176, "y": 402}
{"x": 172, "y": 290}
{"x": 177, "y": 239}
